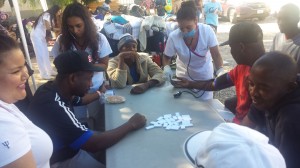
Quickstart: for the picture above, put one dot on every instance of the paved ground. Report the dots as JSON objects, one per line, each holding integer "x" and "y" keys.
{"x": 269, "y": 27}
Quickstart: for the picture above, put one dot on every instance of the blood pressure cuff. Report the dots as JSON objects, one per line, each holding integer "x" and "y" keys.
{"x": 223, "y": 82}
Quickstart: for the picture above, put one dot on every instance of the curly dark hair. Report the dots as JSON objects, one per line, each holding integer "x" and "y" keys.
{"x": 90, "y": 31}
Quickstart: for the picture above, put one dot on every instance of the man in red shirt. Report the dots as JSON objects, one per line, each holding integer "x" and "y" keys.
{"x": 246, "y": 43}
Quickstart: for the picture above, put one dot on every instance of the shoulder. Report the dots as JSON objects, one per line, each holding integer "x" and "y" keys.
{"x": 175, "y": 33}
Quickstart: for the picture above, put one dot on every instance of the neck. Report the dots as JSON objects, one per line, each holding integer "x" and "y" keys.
{"x": 292, "y": 33}
{"x": 63, "y": 89}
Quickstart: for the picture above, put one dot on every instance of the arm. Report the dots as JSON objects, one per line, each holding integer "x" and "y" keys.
{"x": 166, "y": 60}
{"x": 100, "y": 141}
{"x": 25, "y": 161}
{"x": 89, "y": 98}
{"x": 102, "y": 62}
{"x": 118, "y": 77}
{"x": 154, "y": 72}
{"x": 216, "y": 56}
{"x": 218, "y": 83}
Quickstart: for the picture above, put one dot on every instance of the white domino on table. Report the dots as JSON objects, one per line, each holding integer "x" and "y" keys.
{"x": 171, "y": 122}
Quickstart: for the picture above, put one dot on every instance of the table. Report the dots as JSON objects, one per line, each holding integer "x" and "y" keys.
{"x": 158, "y": 147}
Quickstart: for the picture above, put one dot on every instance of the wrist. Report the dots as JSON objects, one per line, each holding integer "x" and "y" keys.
{"x": 98, "y": 93}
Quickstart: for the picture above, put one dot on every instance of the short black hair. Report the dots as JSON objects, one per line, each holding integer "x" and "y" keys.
{"x": 282, "y": 66}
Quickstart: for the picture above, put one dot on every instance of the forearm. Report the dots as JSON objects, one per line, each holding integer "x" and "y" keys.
{"x": 121, "y": 64}
{"x": 202, "y": 85}
{"x": 152, "y": 82}
{"x": 166, "y": 60}
{"x": 216, "y": 56}
{"x": 100, "y": 141}
{"x": 90, "y": 97}
{"x": 102, "y": 62}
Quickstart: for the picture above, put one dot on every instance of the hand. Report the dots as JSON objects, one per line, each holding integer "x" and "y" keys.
{"x": 220, "y": 71}
{"x": 180, "y": 83}
{"x": 128, "y": 55}
{"x": 137, "y": 121}
{"x": 168, "y": 73}
{"x": 140, "y": 88}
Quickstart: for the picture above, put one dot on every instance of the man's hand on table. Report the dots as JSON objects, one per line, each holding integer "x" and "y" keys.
{"x": 137, "y": 121}
{"x": 140, "y": 88}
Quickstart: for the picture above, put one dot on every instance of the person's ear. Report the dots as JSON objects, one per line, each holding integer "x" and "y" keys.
{"x": 242, "y": 47}
{"x": 72, "y": 78}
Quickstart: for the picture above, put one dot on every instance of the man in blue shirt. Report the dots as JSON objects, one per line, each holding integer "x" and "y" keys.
{"x": 211, "y": 11}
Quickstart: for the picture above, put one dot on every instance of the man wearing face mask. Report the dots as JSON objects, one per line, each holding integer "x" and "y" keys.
{"x": 196, "y": 46}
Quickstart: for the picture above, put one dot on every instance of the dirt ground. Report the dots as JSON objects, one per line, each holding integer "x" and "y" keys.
{"x": 269, "y": 27}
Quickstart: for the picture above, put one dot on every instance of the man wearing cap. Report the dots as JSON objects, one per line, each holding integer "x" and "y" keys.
{"x": 52, "y": 110}
{"x": 288, "y": 40}
{"x": 130, "y": 67}
{"x": 246, "y": 43}
{"x": 232, "y": 146}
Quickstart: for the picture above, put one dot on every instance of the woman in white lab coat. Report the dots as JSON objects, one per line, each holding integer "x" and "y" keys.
{"x": 44, "y": 22}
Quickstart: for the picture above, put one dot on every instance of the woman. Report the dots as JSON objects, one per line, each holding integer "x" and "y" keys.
{"x": 22, "y": 143}
{"x": 129, "y": 67}
{"x": 196, "y": 46}
{"x": 79, "y": 33}
{"x": 42, "y": 24}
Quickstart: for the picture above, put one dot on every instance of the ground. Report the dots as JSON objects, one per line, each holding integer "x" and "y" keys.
{"x": 269, "y": 27}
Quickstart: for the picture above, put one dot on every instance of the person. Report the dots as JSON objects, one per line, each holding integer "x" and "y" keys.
{"x": 130, "y": 67}
{"x": 106, "y": 4}
{"x": 79, "y": 33}
{"x": 232, "y": 146}
{"x": 52, "y": 109}
{"x": 101, "y": 12}
{"x": 199, "y": 6}
{"x": 211, "y": 11}
{"x": 23, "y": 144}
{"x": 160, "y": 7}
{"x": 246, "y": 43}
{"x": 288, "y": 40}
{"x": 195, "y": 45}
{"x": 44, "y": 23}
{"x": 275, "y": 94}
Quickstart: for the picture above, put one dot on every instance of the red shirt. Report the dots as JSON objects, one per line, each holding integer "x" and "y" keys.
{"x": 239, "y": 76}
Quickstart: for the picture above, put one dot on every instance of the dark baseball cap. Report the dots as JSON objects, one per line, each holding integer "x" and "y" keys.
{"x": 244, "y": 32}
{"x": 75, "y": 61}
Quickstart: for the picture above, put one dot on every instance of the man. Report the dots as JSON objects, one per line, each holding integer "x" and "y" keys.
{"x": 288, "y": 40}
{"x": 131, "y": 67}
{"x": 246, "y": 43}
{"x": 52, "y": 110}
{"x": 276, "y": 103}
{"x": 211, "y": 11}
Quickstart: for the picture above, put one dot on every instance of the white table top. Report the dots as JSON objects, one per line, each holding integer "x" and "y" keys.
{"x": 157, "y": 147}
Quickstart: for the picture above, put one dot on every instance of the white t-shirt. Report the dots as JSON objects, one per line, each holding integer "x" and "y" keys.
{"x": 200, "y": 68}
{"x": 40, "y": 30}
{"x": 104, "y": 50}
{"x": 19, "y": 135}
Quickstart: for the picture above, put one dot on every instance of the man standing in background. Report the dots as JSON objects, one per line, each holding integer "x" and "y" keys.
{"x": 211, "y": 11}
